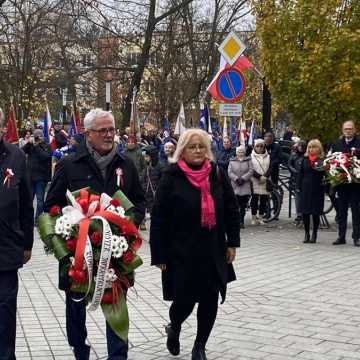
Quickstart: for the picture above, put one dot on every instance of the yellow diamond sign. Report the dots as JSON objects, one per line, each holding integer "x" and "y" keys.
{"x": 232, "y": 48}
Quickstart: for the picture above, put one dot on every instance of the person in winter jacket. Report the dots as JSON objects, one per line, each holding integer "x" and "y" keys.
{"x": 151, "y": 177}
{"x": 39, "y": 163}
{"x": 294, "y": 165}
{"x": 134, "y": 153}
{"x": 17, "y": 235}
{"x": 275, "y": 152}
{"x": 348, "y": 194}
{"x": 224, "y": 155}
{"x": 193, "y": 237}
{"x": 262, "y": 171}
{"x": 95, "y": 164}
{"x": 240, "y": 172}
{"x": 312, "y": 188}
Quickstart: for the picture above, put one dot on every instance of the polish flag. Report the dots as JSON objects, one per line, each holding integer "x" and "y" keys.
{"x": 241, "y": 64}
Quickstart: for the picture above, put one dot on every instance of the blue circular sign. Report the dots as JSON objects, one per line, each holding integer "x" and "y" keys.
{"x": 231, "y": 85}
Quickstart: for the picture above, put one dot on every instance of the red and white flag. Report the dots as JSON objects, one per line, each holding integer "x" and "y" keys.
{"x": 11, "y": 135}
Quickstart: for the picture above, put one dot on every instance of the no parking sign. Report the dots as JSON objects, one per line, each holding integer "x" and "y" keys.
{"x": 230, "y": 85}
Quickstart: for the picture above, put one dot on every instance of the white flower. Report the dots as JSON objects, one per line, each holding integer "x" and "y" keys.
{"x": 123, "y": 243}
{"x": 59, "y": 228}
{"x": 118, "y": 253}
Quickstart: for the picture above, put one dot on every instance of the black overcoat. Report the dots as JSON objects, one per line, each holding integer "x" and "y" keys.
{"x": 16, "y": 208}
{"x": 195, "y": 256}
{"x": 312, "y": 189}
{"x": 79, "y": 170}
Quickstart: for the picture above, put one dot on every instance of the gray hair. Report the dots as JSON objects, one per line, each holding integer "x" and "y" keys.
{"x": 94, "y": 114}
{"x": 185, "y": 139}
{"x": 2, "y": 118}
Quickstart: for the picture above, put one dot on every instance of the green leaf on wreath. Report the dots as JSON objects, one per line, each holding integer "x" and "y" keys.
{"x": 117, "y": 317}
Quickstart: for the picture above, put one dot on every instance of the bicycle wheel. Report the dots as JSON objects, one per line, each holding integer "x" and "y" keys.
{"x": 274, "y": 206}
{"x": 328, "y": 205}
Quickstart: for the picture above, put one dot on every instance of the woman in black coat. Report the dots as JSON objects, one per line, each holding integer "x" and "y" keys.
{"x": 312, "y": 189}
{"x": 194, "y": 233}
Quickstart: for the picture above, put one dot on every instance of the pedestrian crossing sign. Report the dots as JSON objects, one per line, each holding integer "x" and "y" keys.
{"x": 231, "y": 48}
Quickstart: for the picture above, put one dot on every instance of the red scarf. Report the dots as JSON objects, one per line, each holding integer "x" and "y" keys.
{"x": 200, "y": 180}
{"x": 312, "y": 159}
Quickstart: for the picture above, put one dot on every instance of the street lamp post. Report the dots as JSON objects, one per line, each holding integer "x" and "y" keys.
{"x": 64, "y": 94}
{"x": 108, "y": 92}
{"x": 266, "y": 108}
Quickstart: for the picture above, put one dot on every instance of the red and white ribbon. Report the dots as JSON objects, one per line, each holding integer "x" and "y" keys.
{"x": 9, "y": 174}
{"x": 119, "y": 177}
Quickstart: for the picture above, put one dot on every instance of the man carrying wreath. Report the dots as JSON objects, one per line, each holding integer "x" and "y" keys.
{"x": 97, "y": 164}
{"x": 16, "y": 235}
{"x": 348, "y": 194}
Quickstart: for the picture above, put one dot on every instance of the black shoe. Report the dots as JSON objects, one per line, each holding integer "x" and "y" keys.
{"x": 242, "y": 226}
{"x": 172, "y": 343}
{"x": 198, "y": 352}
{"x": 82, "y": 353}
{"x": 313, "y": 238}
{"x": 356, "y": 242}
{"x": 307, "y": 238}
{"x": 339, "y": 242}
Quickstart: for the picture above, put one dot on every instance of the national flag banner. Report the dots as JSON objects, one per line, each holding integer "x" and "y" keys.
{"x": 252, "y": 135}
{"x": 180, "y": 121}
{"x": 209, "y": 127}
{"x": 166, "y": 123}
{"x": 225, "y": 130}
{"x": 233, "y": 132}
{"x": 47, "y": 125}
{"x": 73, "y": 128}
{"x": 78, "y": 123}
{"x": 242, "y": 64}
{"x": 204, "y": 117}
{"x": 242, "y": 131}
{"x": 11, "y": 135}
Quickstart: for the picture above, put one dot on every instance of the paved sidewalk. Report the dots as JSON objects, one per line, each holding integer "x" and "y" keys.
{"x": 291, "y": 302}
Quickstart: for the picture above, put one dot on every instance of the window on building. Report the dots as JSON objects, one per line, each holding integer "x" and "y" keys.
{"x": 86, "y": 60}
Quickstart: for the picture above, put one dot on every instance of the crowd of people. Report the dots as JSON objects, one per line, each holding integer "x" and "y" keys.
{"x": 196, "y": 190}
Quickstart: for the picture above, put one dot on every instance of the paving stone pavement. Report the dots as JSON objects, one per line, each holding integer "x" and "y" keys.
{"x": 291, "y": 301}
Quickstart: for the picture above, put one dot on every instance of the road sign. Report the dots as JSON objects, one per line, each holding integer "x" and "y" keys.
{"x": 231, "y": 48}
{"x": 230, "y": 109}
{"x": 230, "y": 85}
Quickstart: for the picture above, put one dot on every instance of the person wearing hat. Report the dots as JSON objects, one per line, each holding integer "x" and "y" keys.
{"x": 240, "y": 172}
{"x": 17, "y": 235}
{"x": 39, "y": 164}
{"x": 261, "y": 162}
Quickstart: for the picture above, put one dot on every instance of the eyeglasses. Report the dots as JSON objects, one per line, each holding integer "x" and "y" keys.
{"x": 104, "y": 131}
{"x": 260, "y": 146}
{"x": 193, "y": 148}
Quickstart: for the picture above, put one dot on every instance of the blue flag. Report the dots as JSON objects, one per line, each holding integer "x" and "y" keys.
{"x": 73, "y": 129}
{"x": 204, "y": 118}
{"x": 166, "y": 123}
{"x": 233, "y": 132}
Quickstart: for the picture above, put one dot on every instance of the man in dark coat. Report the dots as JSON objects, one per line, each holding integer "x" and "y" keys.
{"x": 96, "y": 164}
{"x": 39, "y": 164}
{"x": 16, "y": 236}
{"x": 224, "y": 156}
{"x": 275, "y": 152}
{"x": 348, "y": 194}
{"x": 294, "y": 165}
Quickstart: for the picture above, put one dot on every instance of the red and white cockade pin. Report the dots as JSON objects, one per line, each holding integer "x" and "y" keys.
{"x": 9, "y": 174}
{"x": 119, "y": 177}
